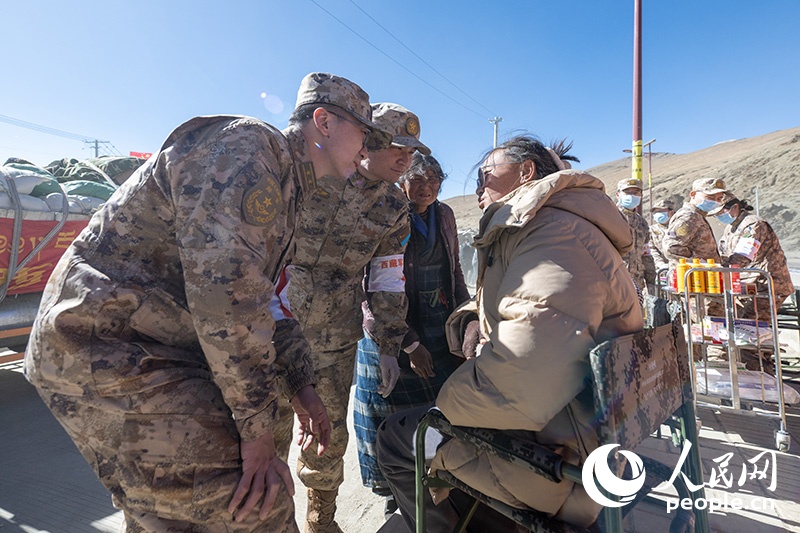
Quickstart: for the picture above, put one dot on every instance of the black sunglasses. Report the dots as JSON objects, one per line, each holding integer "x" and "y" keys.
{"x": 481, "y": 181}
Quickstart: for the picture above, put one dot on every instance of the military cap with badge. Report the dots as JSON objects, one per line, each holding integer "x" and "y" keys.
{"x": 629, "y": 183}
{"x": 401, "y": 123}
{"x": 323, "y": 88}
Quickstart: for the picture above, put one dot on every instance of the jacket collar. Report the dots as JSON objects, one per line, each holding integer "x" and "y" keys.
{"x": 569, "y": 190}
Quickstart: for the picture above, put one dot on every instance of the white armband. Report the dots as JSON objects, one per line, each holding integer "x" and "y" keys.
{"x": 747, "y": 247}
{"x": 386, "y": 274}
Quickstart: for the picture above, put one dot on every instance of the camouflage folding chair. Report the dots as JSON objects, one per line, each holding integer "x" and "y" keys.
{"x": 640, "y": 382}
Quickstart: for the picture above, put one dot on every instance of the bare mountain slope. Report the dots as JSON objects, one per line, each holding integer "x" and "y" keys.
{"x": 769, "y": 162}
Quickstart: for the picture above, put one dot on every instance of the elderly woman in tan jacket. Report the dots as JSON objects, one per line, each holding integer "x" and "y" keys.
{"x": 551, "y": 286}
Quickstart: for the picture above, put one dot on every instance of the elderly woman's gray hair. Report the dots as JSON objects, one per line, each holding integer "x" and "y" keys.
{"x": 423, "y": 165}
{"x": 526, "y": 147}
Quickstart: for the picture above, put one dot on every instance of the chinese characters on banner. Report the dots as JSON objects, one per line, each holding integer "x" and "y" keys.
{"x": 33, "y": 276}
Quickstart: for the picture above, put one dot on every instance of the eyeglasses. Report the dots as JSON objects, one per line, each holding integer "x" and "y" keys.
{"x": 360, "y": 126}
{"x": 422, "y": 180}
{"x": 489, "y": 169}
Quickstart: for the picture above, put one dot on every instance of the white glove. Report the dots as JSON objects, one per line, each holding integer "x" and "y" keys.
{"x": 390, "y": 371}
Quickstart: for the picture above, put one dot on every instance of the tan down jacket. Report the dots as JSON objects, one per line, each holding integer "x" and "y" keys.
{"x": 551, "y": 286}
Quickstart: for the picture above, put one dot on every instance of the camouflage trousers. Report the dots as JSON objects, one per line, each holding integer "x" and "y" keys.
{"x": 333, "y": 387}
{"x": 169, "y": 456}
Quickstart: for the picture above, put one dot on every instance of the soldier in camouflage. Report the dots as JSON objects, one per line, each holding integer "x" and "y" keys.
{"x": 153, "y": 345}
{"x": 345, "y": 227}
{"x": 689, "y": 235}
{"x": 639, "y": 260}
{"x": 662, "y": 213}
{"x": 750, "y": 242}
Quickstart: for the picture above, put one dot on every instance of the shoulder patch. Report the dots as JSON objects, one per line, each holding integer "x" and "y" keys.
{"x": 682, "y": 230}
{"x": 262, "y": 202}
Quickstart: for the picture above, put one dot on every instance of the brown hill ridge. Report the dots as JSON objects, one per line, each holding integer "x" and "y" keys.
{"x": 770, "y": 163}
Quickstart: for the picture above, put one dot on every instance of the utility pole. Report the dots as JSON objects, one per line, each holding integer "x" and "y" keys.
{"x": 648, "y": 145}
{"x": 636, "y": 152}
{"x": 495, "y": 121}
{"x": 96, "y": 144}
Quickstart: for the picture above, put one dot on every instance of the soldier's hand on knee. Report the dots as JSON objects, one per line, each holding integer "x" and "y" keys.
{"x": 263, "y": 476}
{"x": 314, "y": 421}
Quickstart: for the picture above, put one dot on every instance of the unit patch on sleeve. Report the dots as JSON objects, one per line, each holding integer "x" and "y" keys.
{"x": 262, "y": 202}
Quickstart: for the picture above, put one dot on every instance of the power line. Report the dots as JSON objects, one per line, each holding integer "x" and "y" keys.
{"x": 421, "y": 59}
{"x": 396, "y": 62}
{"x": 98, "y": 144}
{"x": 44, "y": 129}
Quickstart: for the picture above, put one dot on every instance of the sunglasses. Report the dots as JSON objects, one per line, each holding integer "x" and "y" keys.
{"x": 360, "y": 126}
{"x": 488, "y": 170}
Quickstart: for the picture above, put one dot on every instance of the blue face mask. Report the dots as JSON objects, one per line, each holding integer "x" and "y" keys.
{"x": 661, "y": 217}
{"x": 725, "y": 218}
{"x": 707, "y": 205}
{"x": 629, "y": 201}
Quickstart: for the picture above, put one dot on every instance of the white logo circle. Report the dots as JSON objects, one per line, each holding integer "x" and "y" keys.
{"x": 596, "y": 466}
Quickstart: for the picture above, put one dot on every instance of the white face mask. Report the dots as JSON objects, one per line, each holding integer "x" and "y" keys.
{"x": 629, "y": 201}
{"x": 707, "y": 204}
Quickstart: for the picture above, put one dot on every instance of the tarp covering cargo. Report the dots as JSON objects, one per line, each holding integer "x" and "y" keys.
{"x": 42, "y": 210}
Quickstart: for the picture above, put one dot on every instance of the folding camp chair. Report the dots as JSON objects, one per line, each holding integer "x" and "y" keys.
{"x": 640, "y": 382}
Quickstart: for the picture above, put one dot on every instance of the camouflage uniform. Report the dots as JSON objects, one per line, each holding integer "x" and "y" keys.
{"x": 153, "y": 345}
{"x": 657, "y": 234}
{"x": 639, "y": 260}
{"x": 343, "y": 227}
{"x": 690, "y": 236}
{"x": 750, "y": 242}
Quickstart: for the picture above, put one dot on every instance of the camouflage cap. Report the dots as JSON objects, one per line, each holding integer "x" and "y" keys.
{"x": 709, "y": 186}
{"x": 664, "y": 203}
{"x": 323, "y": 88}
{"x": 629, "y": 183}
{"x": 401, "y": 123}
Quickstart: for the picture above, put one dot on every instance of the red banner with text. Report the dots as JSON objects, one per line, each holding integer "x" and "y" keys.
{"x": 34, "y": 275}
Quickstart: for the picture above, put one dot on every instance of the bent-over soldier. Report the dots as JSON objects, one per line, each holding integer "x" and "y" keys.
{"x": 153, "y": 345}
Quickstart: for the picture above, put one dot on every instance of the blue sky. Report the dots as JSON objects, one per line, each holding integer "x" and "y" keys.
{"x": 129, "y": 72}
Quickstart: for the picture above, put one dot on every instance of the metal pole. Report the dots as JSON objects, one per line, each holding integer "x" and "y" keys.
{"x": 495, "y": 121}
{"x": 649, "y": 145}
{"x": 96, "y": 143}
{"x": 755, "y": 191}
{"x": 636, "y": 151}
